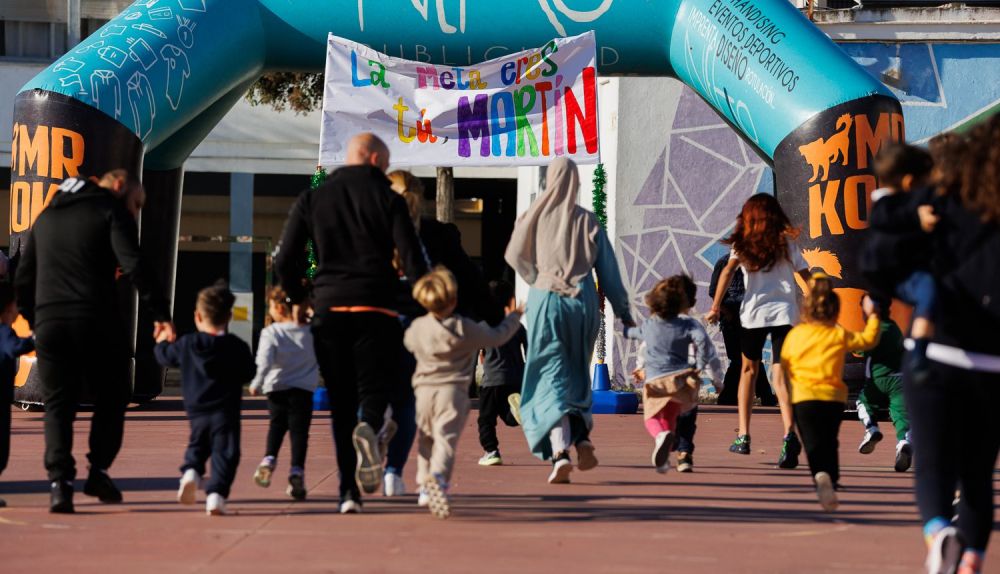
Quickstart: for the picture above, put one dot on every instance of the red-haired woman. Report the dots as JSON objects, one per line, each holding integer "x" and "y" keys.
{"x": 763, "y": 245}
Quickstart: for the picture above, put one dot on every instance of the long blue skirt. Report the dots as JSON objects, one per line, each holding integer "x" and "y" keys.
{"x": 561, "y": 336}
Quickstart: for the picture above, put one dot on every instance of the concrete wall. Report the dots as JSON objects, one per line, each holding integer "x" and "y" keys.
{"x": 683, "y": 175}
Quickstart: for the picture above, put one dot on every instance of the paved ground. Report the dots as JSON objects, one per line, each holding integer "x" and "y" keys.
{"x": 734, "y": 514}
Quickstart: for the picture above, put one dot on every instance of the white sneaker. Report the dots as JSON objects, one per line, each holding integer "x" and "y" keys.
{"x": 368, "y": 473}
{"x": 872, "y": 437}
{"x": 661, "y": 451}
{"x": 423, "y": 499}
{"x": 825, "y": 492}
{"x": 350, "y": 507}
{"x": 393, "y": 485}
{"x": 190, "y": 483}
{"x": 945, "y": 552}
{"x": 560, "y": 471}
{"x": 215, "y": 504}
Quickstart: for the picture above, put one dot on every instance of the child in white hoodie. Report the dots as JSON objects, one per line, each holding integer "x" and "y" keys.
{"x": 445, "y": 346}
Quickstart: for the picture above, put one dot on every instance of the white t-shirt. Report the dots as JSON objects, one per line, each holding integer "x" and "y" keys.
{"x": 772, "y": 297}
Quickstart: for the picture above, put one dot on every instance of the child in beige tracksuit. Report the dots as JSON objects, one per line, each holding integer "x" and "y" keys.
{"x": 445, "y": 346}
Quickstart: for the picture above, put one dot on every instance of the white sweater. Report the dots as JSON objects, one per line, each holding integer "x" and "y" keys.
{"x": 286, "y": 359}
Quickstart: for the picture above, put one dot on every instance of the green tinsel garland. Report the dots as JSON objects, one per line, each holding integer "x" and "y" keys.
{"x": 601, "y": 196}
{"x": 601, "y": 211}
{"x": 317, "y": 180}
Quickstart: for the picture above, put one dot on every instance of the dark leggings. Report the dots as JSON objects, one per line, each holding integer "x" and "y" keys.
{"x": 291, "y": 412}
{"x": 819, "y": 425}
{"x": 956, "y": 435}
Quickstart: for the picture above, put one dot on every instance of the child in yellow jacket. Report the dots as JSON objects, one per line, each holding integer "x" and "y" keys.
{"x": 813, "y": 356}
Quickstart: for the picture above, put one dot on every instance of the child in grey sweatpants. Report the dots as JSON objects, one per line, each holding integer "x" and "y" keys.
{"x": 445, "y": 346}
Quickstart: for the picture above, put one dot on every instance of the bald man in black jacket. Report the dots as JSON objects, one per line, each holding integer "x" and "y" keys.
{"x": 66, "y": 289}
{"x": 356, "y": 222}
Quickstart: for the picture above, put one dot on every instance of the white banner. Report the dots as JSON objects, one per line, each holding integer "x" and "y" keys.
{"x": 521, "y": 109}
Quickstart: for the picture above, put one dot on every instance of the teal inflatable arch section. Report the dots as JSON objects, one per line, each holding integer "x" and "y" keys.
{"x": 162, "y": 64}
{"x": 144, "y": 90}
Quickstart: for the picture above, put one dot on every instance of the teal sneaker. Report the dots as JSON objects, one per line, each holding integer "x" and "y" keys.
{"x": 741, "y": 445}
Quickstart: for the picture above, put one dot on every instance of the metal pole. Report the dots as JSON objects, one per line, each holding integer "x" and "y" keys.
{"x": 72, "y": 23}
{"x": 445, "y": 194}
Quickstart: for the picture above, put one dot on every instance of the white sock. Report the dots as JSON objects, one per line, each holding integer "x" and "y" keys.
{"x": 560, "y": 436}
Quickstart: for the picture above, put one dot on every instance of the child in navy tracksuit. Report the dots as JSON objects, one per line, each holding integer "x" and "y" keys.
{"x": 11, "y": 347}
{"x": 214, "y": 367}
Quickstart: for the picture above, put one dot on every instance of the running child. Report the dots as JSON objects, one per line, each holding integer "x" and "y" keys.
{"x": 288, "y": 374}
{"x": 813, "y": 355}
{"x": 500, "y": 391}
{"x": 896, "y": 258}
{"x": 884, "y": 383}
{"x": 214, "y": 367}
{"x": 445, "y": 345}
{"x": 671, "y": 382}
{"x": 11, "y": 347}
{"x": 764, "y": 247}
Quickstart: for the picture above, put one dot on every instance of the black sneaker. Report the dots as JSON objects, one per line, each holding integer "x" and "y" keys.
{"x": 296, "y": 487}
{"x": 99, "y": 484}
{"x": 790, "y": 450}
{"x": 61, "y": 497}
{"x": 741, "y": 445}
{"x": 685, "y": 462}
{"x": 904, "y": 456}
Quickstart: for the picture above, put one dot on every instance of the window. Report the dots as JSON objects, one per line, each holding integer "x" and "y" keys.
{"x": 33, "y": 40}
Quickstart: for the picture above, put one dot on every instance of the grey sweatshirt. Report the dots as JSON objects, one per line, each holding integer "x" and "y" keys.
{"x": 286, "y": 359}
{"x": 445, "y": 350}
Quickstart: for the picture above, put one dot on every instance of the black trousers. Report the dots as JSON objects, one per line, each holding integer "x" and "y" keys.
{"x": 4, "y": 436}
{"x": 956, "y": 436}
{"x": 215, "y": 436}
{"x": 78, "y": 358}
{"x": 819, "y": 425}
{"x": 731, "y": 339}
{"x": 687, "y": 425}
{"x": 357, "y": 356}
{"x": 291, "y": 412}
{"x": 492, "y": 404}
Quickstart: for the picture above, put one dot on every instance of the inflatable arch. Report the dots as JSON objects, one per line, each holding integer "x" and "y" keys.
{"x": 145, "y": 89}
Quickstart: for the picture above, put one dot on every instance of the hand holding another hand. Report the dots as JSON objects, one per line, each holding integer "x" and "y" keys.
{"x": 164, "y": 332}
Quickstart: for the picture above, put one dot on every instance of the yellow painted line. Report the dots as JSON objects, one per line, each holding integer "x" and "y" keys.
{"x": 12, "y": 522}
{"x": 816, "y": 532}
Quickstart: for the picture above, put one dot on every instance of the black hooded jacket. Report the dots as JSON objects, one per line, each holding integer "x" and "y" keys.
{"x": 68, "y": 266}
{"x": 214, "y": 369}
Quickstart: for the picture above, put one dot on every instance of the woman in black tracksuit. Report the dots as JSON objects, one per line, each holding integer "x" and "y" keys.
{"x": 956, "y": 432}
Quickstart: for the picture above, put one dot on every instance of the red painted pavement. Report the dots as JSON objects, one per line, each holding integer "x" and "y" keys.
{"x": 733, "y": 514}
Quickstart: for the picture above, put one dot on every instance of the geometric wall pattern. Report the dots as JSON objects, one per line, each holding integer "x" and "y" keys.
{"x": 688, "y": 202}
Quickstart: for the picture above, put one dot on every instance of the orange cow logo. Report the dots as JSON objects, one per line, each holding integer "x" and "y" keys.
{"x": 821, "y": 153}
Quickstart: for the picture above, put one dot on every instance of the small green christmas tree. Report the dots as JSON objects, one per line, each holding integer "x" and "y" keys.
{"x": 601, "y": 211}
{"x": 317, "y": 180}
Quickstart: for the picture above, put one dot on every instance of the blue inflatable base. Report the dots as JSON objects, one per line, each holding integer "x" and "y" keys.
{"x": 615, "y": 403}
{"x": 321, "y": 399}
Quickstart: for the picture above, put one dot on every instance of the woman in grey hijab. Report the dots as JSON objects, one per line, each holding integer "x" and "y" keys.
{"x": 555, "y": 247}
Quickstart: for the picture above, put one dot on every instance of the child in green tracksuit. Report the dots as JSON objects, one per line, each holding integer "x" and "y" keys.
{"x": 884, "y": 383}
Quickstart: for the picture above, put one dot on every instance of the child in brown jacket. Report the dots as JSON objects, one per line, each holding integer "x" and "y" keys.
{"x": 445, "y": 346}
